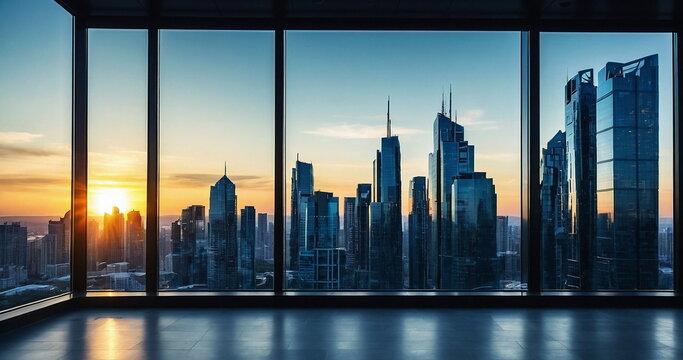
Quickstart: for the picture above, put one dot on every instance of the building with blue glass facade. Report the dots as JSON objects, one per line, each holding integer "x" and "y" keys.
{"x": 247, "y": 247}
{"x": 302, "y": 186}
{"x": 554, "y": 216}
{"x": 419, "y": 223}
{"x": 628, "y": 175}
{"x": 222, "y": 271}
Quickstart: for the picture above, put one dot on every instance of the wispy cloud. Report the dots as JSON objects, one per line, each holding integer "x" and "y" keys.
{"x": 194, "y": 180}
{"x": 475, "y": 118}
{"x": 18, "y": 182}
{"x": 13, "y": 151}
{"x": 12, "y": 137}
{"x": 360, "y": 131}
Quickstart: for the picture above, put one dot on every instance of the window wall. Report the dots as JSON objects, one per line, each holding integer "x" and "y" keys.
{"x": 35, "y": 151}
{"x": 216, "y": 160}
{"x": 117, "y": 158}
{"x": 403, "y": 171}
{"x": 607, "y": 161}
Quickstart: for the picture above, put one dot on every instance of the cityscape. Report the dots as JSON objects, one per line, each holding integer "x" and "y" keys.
{"x": 601, "y": 227}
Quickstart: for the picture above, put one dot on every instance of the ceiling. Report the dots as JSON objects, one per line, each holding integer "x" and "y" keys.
{"x": 383, "y": 9}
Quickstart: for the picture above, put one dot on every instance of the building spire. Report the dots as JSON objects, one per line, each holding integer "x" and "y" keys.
{"x": 388, "y": 118}
{"x": 225, "y": 168}
{"x": 450, "y": 101}
{"x": 443, "y": 108}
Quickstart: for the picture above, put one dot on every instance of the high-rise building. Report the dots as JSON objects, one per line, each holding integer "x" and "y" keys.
{"x": 554, "y": 215}
{"x": 579, "y": 121}
{"x": 473, "y": 262}
{"x": 386, "y": 232}
{"x": 247, "y": 247}
{"x": 502, "y": 243}
{"x": 627, "y": 145}
{"x": 13, "y": 244}
{"x": 350, "y": 232}
{"x": 362, "y": 256}
{"x": 222, "y": 251}
{"x": 61, "y": 230}
{"x": 189, "y": 244}
{"x": 451, "y": 156}
{"x": 110, "y": 248}
{"x": 93, "y": 241}
{"x": 262, "y": 237}
{"x": 302, "y": 186}
{"x": 418, "y": 233}
{"x": 134, "y": 241}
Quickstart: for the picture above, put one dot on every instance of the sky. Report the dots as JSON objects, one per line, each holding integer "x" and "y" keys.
{"x": 216, "y": 107}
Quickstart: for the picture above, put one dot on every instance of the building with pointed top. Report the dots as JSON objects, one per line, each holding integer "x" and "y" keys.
{"x": 222, "y": 262}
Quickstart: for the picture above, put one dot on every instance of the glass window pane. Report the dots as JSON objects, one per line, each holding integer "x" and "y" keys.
{"x": 35, "y": 151}
{"x": 607, "y": 183}
{"x": 419, "y": 193}
{"x": 117, "y": 158}
{"x": 217, "y": 164}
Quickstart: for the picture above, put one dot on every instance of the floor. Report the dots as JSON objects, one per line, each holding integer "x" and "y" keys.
{"x": 351, "y": 334}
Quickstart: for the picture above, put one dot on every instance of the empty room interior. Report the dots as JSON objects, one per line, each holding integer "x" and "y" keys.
{"x": 340, "y": 179}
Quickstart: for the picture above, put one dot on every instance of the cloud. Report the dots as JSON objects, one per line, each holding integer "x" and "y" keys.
{"x": 16, "y": 182}
{"x": 360, "y": 131}
{"x": 12, "y": 137}
{"x": 13, "y": 151}
{"x": 194, "y": 180}
{"x": 473, "y": 118}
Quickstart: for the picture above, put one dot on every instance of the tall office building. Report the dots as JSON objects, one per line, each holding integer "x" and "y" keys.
{"x": 554, "y": 216}
{"x": 451, "y": 156}
{"x": 110, "y": 249}
{"x": 262, "y": 241}
{"x": 247, "y": 247}
{"x": 350, "y": 232}
{"x": 302, "y": 186}
{"x": 134, "y": 241}
{"x": 502, "y": 243}
{"x": 189, "y": 247}
{"x": 386, "y": 233}
{"x": 13, "y": 244}
{"x": 474, "y": 262}
{"x": 362, "y": 256}
{"x": 628, "y": 175}
{"x": 579, "y": 121}
{"x": 222, "y": 252}
{"x": 419, "y": 223}
{"x": 61, "y": 231}
{"x": 93, "y": 241}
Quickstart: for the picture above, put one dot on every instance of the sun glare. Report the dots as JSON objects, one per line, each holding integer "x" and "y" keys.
{"x": 104, "y": 199}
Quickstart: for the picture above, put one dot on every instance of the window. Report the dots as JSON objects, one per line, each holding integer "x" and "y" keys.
{"x": 117, "y": 158}
{"x": 607, "y": 175}
{"x": 35, "y": 151}
{"x": 404, "y": 157}
{"x": 217, "y": 164}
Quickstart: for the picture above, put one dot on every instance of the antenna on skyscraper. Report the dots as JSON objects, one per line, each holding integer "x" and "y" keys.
{"x": 225, "y": 169}
{"x": 443, "y": 108}
{"x": 450, "y": 101}
{"x": 388, "y": 119}
{"x": 297, "y": 156}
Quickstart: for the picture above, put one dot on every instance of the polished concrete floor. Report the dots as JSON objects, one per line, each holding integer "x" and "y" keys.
{"x": 351, "y": 334}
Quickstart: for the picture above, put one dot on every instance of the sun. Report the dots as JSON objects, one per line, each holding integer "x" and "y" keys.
{"x": 102, "y": 200}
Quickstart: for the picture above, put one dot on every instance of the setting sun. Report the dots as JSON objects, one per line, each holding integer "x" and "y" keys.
{"x": 104, "y": 199}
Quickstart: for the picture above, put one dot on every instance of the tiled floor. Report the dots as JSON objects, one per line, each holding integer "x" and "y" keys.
{"x": 351, "y": 334}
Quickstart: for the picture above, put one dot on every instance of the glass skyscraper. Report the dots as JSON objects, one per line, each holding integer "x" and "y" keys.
{"x": 302, "y": 186}
{"x": 628, "y": 174}
{"x": 554, "y": 214}
{"x": 418, "y": 233}
{"x": 579, "y": 121}
{"x": 247, "y": 247}
{"x": 222, "y": 254}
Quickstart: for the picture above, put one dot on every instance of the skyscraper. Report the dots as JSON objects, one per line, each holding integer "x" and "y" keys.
{"x": 13, "y": 243}
{"x": 134, "y": 241}
{"x": 418, "y": 233}
{"x": 61, "y": 230}
{"x": 502, "y": 243}
{"x": 452, "y": 156}
{"x": 222, "y": 254}
{"x": 350, "y": 232}
{"x": 475, "y": 264}
{"x": 110, "y": 249}
{"x": 302, "y": 186}
{"x": 262, "y": 242}
{"x": 247, "y": 247}
{"x": 554, "y": 215}
{"x": 191, "y": 247}
{"x": 386, "y": 233}
{"x": 579, "y": 121}
{"x": 362, "y": 256}
{"x": 627, "y": 174}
